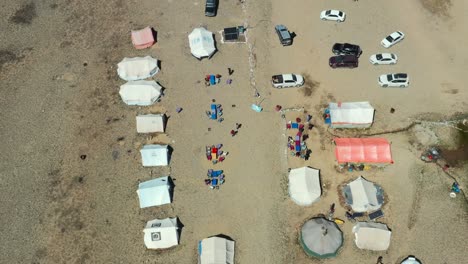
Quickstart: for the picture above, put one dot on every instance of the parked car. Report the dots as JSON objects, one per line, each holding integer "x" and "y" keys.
{"x": 287, "y": 80}
{"x": 343, "y": 61}
{"x": 283, "y": 35}
{"x": 333, "y": 15}
{"x": 394, "y": 80}
{"x": 392, "y": 39}
{"x": 211, "y": 7}
{"x": 346, "y": 49}
{"x": 383, "y": 59}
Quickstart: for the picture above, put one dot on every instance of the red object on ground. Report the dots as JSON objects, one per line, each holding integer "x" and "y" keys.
{"x": 221, "y": 159}
{"x": 143, "y": 39}
{"x": 288, "y": 126}
{"x": 278, "y": 108}
{"x": 367, "y": 150}
{"x": 298, "y": 120}
{"x": 233, "y": 132}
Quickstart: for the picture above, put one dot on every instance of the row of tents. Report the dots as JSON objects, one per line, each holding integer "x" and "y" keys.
{"x": 360, "y": 194}
{"x": 164, "y": 233}
{"x": 323, "y": 238}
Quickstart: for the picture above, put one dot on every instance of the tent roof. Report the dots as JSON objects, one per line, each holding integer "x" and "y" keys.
{"x": 216, "y": 250}
{"x": 150, "y": 123}
{"x": 366, "y": 150}
{"x": 154, "y": 155}
{"x": 142, "y": 38}
{"x": 161, "y": 233}
{"x": 351, "y": 113}
{"x": 138, "y": 68}
{"x": 363, "y": 195}
{"x": 140, "y": 92}
{"x": 155, "y": 192}
{"x": 201, "y": 43}
{"x": 304, "y": 185}
{"x": 321, "y": 238}
{"x": 372, "y": 236}
{"x": 411, "y": 260}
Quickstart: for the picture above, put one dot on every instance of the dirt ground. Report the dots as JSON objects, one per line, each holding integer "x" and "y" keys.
{"x": 60, "y": 101}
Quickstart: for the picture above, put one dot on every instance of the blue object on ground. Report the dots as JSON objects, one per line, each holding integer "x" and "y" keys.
{"x": 212, "y": 80}
{"x": 294, "y": 125}
{"x": 256, "y": 108}
{"x": 213, "y": 112}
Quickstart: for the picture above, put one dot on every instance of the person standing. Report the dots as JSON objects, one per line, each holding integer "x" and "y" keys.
{"x": 379, "y": 260}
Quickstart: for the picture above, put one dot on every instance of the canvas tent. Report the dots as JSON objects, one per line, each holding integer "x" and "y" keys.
{"x": 154, "y": 155}
{"x": 363, "y": 195}
{"x": 143, "y": 38}
{"x": 304, "y": 185}
{"x": 351, "y": 115}
{"x": 155, "y": 192}
{"x": 150, "y": 123}
{"x": 216, "y": 250}
{"x": 138, "y": 68}
{"x": 201, "y": 43}
{"x": 140, "y": 92}
{"x": 161, "y": 233}
{"x": 372, "y": 236}
{"x": 321, "y": 238}
{"x": 362, "y": 150}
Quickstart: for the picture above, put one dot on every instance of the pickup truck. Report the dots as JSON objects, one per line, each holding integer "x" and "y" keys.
{"x": 287, "y": 80}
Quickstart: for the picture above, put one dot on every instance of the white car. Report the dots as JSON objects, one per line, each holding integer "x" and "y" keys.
{"x": 383, "y": 59}
{"x": 333, "y": 15}
{"x": 287, "y": 80}
{"x": 392, "y": 39}
{"x": 394, "y": 80}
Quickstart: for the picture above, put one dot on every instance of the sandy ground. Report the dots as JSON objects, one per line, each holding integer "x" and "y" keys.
{"x": 60, "y": 100}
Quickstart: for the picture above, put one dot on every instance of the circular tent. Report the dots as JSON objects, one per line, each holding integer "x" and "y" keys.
{"x": 321, "y": 238}
{"x": 410, "y": 260}
{"x": 201, "y": 43}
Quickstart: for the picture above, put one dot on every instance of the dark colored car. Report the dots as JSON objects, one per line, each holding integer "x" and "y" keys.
{"x": 343, "y": 61}
{"x": 283, "y": 35}
{"x": 346, "y": 49}
{"x": 211, "y": 7}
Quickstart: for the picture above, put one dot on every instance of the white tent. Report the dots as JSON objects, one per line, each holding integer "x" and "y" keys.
{"x": 138, "y": 68}
{"x": 363, "y": 195}
{"x": 216, "y": 250}
{"x": 372, "y": 236}
{"x": 161, "y": 233}
{"x": 154, "y": 155}
{"x": 155, "y": 192}
{"x": 150, "y": 123}
{"x": 140, "y": 92}
{"x": 201, "y": 43}
{"x": 411, "y": 260}
{"x": 304, "y": 185}
{"x": 351, "y": 115}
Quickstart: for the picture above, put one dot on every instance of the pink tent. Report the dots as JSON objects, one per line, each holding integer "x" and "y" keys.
{"x": 365, "y": 150}
{"x": 143, "y": 39}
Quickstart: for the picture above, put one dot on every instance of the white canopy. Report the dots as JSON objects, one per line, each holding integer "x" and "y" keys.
{"x": 138, "y": 68}
{"x": 140, "y": 92}
{"x": 372, "y": 236}
{"x": 201, "y": 43}
{"x": 216, "y": 250}
{"x": 353, "y": 114}
{"x": 150, "y": 123}
{"x": 304, "y": 185}
{"x": 363, "y": 195}
{"x": 154, "y": 155}
{"x": 155, "y": 192}
{"x": 161, "y": 233}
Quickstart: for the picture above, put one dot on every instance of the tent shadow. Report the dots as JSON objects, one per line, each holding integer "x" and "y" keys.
{"x": 170, "y": 150}
{"x": 223, "y": 236}
{"x": 171, "y": 189}
{"x": 181, "y": 226}
{"x": 155, "y": 34}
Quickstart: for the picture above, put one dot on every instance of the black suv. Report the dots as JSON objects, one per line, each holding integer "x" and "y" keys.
{"x": 284, "y": 35}
{"x": 211, "y": 7}
{"x": 343, "y": 61}
{"x": 346, "y": 49}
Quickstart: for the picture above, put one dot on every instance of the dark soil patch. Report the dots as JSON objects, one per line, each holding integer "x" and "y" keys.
{"x": 309, "y": 85}
{"x": 458, "y": 156}
{"x": 25, "y": 14}
{"x": 7, "y": 57}
{"x": 437, "y": 7}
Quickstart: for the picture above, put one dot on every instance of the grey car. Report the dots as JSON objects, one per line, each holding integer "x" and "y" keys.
{"x": 284, "y": 35}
